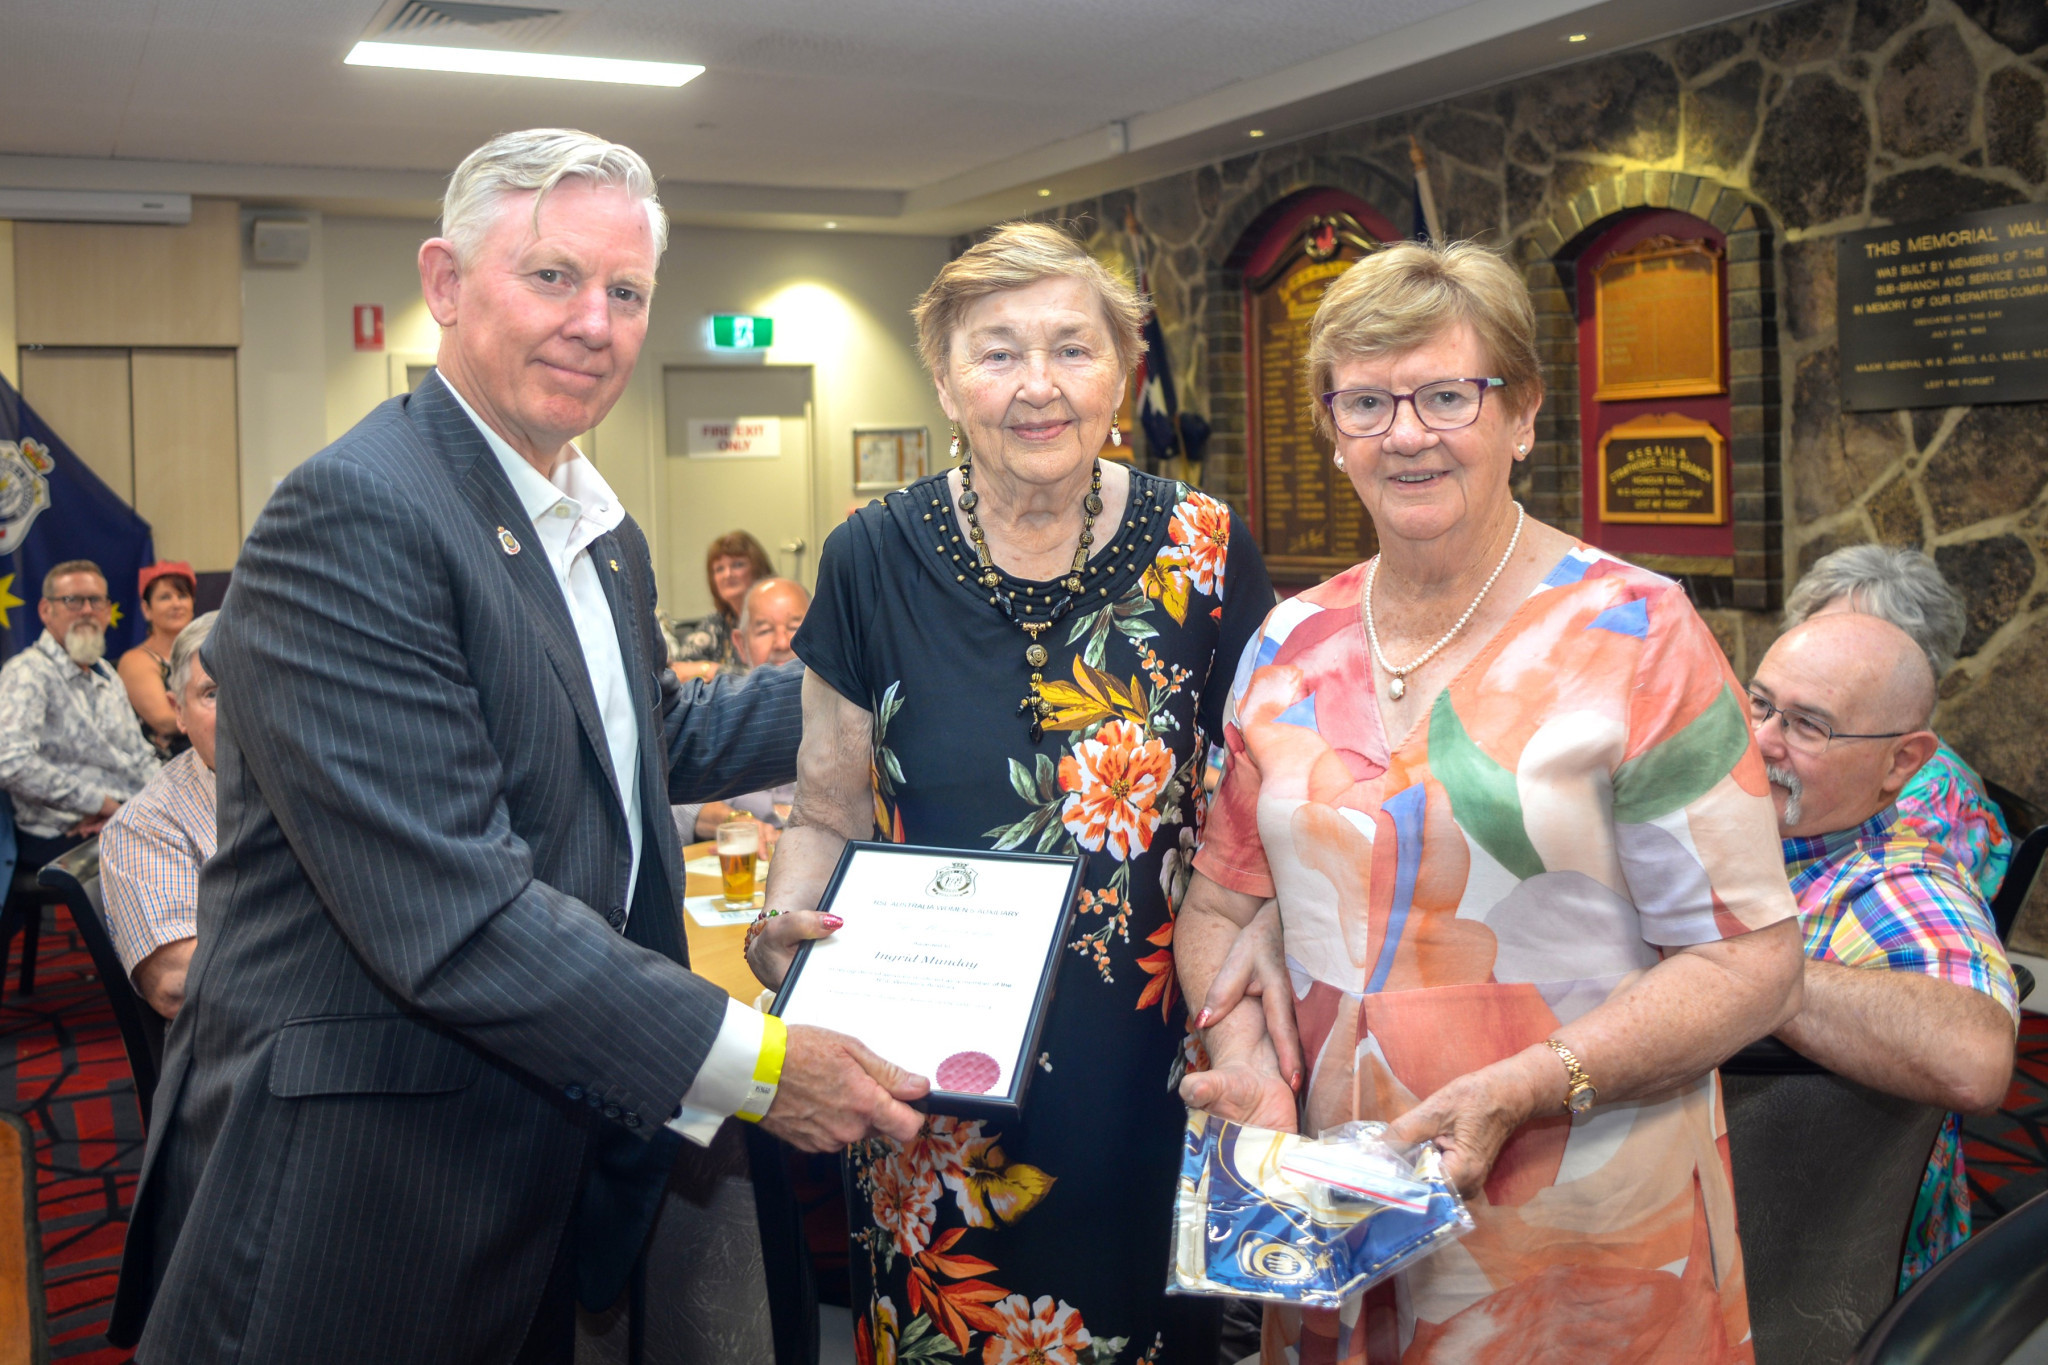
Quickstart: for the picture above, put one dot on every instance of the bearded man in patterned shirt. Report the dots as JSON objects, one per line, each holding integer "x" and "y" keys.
{"x": 1907, "y": 988}
{"x": 71, "y": 747}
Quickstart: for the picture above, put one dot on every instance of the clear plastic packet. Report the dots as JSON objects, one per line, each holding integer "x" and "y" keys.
{"x": 1267, "y": 1215}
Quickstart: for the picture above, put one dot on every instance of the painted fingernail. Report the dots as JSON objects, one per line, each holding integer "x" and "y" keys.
{"x": 1202, "y": 1019}
{"x": 833, "y": 921}
{"x": 1296, "y": 1082}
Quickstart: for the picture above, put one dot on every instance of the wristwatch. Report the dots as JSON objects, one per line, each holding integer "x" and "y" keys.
{"x": 1579, "y": 1094}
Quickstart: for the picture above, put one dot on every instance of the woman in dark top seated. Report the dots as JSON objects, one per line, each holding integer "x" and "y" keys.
{"x": 735, "y": 562}
{"x": 1028, "y": 652}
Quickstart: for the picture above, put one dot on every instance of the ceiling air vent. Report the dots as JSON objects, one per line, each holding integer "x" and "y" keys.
{"x": 457, "y": 23}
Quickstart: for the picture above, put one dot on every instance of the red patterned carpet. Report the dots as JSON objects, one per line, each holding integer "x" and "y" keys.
{"x": 62, "y": 1069}
{"x": 2007, "y": 1153}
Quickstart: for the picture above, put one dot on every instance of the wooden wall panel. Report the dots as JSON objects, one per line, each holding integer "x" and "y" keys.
{"x": 83, "y": 395}
{"x": 123, "y": 284}
{"x": 187, "y": 466}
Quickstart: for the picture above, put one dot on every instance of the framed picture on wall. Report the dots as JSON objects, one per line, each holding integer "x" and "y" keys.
{"x": 886, "y": 458}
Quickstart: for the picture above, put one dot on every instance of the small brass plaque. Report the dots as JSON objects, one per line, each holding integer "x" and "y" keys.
{"x": 1665, "y": 470}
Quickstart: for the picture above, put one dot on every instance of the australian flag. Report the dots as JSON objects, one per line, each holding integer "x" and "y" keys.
{"x": 1158, "y": 406}
{"x": 53, "y": 508}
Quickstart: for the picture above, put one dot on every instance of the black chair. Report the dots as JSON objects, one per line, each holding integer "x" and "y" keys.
{"x": 2019, "y": 813}
{"x": 75, "y": 880}
{"x": 1826, "y": 1174}
{"x": 21, "y": 913}
{"x": 1986, "y": 1298}
{"x": 2019, "y": 880}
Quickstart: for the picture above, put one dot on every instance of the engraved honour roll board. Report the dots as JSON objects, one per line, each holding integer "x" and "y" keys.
{"x": 1310, "y": 523}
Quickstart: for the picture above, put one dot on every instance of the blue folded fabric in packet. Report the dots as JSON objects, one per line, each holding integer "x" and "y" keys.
{"x": 1269, "y": 1215}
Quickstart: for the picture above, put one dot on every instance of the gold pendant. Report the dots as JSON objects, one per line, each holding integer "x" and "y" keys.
{"x": 1036, "y": 656}
{"x": 1397, "y": 689}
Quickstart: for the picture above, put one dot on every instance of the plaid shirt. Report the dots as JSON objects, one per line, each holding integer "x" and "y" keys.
{"x": 150, "y": 855}
{"x": 1885, "y": 897}
{"x": 1880, "y": 895}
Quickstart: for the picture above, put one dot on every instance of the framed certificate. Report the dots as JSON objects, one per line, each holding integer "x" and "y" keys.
{"x": 944, "y": 965}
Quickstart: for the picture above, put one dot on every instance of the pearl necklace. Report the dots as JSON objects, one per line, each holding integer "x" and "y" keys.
{"x": 1399, "y": 687}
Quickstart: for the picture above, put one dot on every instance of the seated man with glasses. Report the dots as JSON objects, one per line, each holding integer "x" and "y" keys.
{"x": 70, "y": 750}
{"x": 1907, "y": 988}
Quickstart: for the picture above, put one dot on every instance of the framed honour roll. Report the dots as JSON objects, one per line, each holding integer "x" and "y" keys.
{"x": 944, "y": 965}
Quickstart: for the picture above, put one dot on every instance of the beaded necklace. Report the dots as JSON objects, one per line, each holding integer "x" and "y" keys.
{"x": 1033, "y": 705}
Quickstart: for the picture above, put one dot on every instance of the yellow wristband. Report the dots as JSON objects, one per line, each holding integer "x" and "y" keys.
{"x": 767, "y": 1069}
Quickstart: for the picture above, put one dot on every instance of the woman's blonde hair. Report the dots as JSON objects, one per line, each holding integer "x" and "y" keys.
{"x": 1014, "y": 256}
{"x": 1405, "y": 294}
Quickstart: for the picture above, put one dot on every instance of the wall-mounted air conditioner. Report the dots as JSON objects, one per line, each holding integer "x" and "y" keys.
{"x": 96, "y": 206}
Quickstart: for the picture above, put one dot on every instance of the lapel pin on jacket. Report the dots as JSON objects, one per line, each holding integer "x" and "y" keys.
{"x": 506, "y": 539}
{"x": 615, "y": 566}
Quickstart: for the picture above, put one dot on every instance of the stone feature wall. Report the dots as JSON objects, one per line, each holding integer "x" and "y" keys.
{"x": 1786, "y": 128}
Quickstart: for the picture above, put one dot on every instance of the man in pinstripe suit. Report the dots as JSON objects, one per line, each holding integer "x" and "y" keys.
{"x": 440, "y": 1044}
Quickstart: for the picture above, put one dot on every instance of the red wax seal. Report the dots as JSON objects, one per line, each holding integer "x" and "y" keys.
{"x": 968, "y": 1073}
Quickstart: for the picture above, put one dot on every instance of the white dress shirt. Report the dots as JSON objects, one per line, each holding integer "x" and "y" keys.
{"x": 568, "y": 513}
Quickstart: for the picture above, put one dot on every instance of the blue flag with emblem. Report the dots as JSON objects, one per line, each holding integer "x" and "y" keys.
{"x": 1158, "y": 404}
{"x": 53, "y": 508}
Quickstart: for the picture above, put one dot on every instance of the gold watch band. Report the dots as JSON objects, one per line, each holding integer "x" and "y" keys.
{"x": 1580, "y": 1091}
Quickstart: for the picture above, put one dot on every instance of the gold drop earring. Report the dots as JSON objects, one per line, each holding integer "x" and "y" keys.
{"x": 954, "y": 448}
{"x": 1116, "y": 435}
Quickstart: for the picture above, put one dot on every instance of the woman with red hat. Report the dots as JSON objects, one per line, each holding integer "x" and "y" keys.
{"x": 168, "y": 588}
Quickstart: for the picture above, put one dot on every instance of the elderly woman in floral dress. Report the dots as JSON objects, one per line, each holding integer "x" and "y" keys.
{"x": 1106, "y": 597}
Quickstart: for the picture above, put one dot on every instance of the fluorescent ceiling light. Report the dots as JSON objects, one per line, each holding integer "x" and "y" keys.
{"x": 486, "y": 62}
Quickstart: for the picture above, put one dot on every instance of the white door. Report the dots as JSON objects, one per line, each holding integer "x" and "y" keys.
{"x": 739, "y": 458}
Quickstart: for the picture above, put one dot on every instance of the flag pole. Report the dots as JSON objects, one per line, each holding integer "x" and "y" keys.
{"x": 1429, "y": 218}
{"x": 1132, "y": 231}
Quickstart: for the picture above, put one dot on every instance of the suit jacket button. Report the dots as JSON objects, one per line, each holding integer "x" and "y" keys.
{"x": 632, "y": 1120}
{"x": 594, "y": 1101}
{"x": 574, "y": 1092}
{"x": 616, "y": 917}
{"x": 612, "y": 1111}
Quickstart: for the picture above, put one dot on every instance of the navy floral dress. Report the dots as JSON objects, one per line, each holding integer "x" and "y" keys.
{"x": 1044, "y": 1239}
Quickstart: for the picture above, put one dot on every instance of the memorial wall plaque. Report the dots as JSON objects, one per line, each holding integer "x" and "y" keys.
{"x": 1944, "y": 312}
{"x": 1658, "y": 311}
{"x": 1309, "y": 521}
{"x": 1665, "y": 470}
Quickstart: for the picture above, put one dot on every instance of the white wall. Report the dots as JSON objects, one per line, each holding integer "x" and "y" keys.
{"x": 280, "y": 373}
{"x": 840, "y": 302}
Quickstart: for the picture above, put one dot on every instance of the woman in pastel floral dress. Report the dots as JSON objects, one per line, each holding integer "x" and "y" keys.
{"x": 1040, "y": 1240}
{"x": 1526, "y": 866}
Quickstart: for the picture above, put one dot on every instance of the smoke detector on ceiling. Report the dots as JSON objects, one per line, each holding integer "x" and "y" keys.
{"x": 458, "y": 23}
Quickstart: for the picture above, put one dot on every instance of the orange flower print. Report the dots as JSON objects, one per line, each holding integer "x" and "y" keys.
{"x": 906, "y": 1202}
{"x": 1201, "y": 525}
{"x": 1036, "y": 1334}
{"x": 874, "y": 1336}
{"x": 1114, "y": 782}
{"x": 940, "y": 1147}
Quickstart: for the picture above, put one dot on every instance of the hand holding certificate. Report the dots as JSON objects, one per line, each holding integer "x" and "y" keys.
{"x": 944, "y": 964}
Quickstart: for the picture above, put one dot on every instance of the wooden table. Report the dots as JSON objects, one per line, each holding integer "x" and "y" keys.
{"x": 716, "y": 954}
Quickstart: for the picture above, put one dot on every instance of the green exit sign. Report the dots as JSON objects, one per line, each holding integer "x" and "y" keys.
{"x": 741, "y": 331}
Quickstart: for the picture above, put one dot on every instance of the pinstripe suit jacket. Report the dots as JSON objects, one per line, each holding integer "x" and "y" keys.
{"x": 415, "y": 1046}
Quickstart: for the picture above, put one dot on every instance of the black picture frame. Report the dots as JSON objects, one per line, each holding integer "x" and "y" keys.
{"x": 953, "y": 1102}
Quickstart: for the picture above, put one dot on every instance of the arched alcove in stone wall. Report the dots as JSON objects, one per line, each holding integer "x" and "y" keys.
{"x": 1547, "y": 253}
{"x": 1225, "y": 244}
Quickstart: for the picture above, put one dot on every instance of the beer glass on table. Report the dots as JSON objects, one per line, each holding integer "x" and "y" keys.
{"x": 739, "y": 847}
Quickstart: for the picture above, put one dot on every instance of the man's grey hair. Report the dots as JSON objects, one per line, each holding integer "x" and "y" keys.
{"x": 1893, "y": 583}
{"x": 185, "y": 649}
{"x": 747, "y": 602}
{"x": 536, "y": 160}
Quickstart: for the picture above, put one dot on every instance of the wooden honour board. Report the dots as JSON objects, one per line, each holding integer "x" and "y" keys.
{"x": 1308, "y": 519}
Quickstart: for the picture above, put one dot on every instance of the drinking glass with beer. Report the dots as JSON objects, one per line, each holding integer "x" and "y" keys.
{"x": 739, "y": 845}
